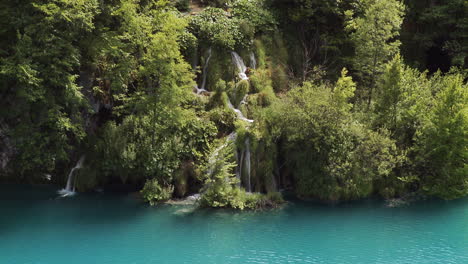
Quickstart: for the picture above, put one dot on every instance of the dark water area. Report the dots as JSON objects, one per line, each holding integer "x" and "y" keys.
{"x": 38, "y": 227}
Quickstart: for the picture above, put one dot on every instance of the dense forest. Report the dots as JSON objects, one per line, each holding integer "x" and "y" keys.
{"x": 238, "y": 100}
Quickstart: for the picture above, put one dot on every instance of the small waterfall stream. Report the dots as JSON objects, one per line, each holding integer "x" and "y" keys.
{"x": 243, "y": 158}
{"x": 205, "y": 69}
{"x": 204, "y": 73}
{"x": 70, "y": 187}
{"x": 239, "y": 63}
{"x": 238, "y": 112}
{"x": 253, "y": 61}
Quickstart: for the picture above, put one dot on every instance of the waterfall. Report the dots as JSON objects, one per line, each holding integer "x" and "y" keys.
{"x": 239, "y": 63}
{"x": 247, "y": 163}
{"x": 238, "y": 112}
{"x": 70, "y": 187}
{"x": 205, "y": 69}
{"x": 230, "y": 138}
{"x": 253, "y": 61}
{"x": 204, "y": 73}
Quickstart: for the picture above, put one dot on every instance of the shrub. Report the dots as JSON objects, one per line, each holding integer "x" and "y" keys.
{"x": 153, "y": 192}
{"x": 220, "y": 183}
{"x": 332, "y": 156}
{"x": 214, "y": 27}
{"x": 182, "y": 5}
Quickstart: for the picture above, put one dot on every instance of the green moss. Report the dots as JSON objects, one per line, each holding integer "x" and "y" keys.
{"x": 220, "y": 67}
{"x": 260, "y": 53}
{"x": 224, "y": 119}
{"x": 238, "y": 91}
{"x": 279, "y": 79}
{"x": 258, "y": 201}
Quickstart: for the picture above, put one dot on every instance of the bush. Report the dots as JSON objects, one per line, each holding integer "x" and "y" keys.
{"x": 220, "y": 183}
{"x": 153, "y": 192}
{"x": 221, "y": 189}
{"x": 182, "y": 5}
{"x": 263, "y": 201}
{"x": 216, "y": 3}
{"x": 214, "y": 27}
{"x": 224, "y": 119}
{"x": 152, "y": 145}
{"x": 255, "y": 14}
{"x": 332, "y": 156}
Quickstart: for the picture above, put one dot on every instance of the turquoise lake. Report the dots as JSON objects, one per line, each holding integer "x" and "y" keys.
{"x": 36, "y": 227}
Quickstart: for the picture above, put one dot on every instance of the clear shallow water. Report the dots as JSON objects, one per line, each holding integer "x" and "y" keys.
{"x": 35, "y": 227}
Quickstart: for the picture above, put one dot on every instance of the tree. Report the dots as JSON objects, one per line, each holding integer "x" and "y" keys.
{"x": 403, "y": 100}
{"x": 41, "y": 100}
{"x": 315, "y": 33}
{"x": 374, "y": 31}
{"x": 220, "y": 183}
{"x": 443, "y": 142}
{"x": 434, "y": 34}
{"x": 331, "y": 155}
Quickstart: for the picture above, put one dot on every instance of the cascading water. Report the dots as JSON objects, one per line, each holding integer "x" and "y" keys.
{"x": 245, "y": 154}
{"x": 205, "y": 69}
{"x": 70, "y": 188}
{"x": 253, "y": 61}
{"x": 239, "y": 63}
{"x": 204, "y": 74}
{"x": 238, "y": 112}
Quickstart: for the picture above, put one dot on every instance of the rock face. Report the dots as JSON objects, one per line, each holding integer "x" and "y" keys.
{"x": 7, "y": 149}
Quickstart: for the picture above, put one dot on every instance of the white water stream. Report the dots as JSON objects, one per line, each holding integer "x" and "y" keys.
{"x": 70, "y": 187}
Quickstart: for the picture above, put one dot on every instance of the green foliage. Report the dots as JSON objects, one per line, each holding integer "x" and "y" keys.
{"x": 435, "y": 34}
{"x": 129, "y": 49}
{"x": 41, "y": 99}
{"x": 214, "y": 27}
{"x": 344, "y": 91}
{"x": 261, "y": 81}
{"x": 443, "y": 141}
{"x": 216, "y": 3}
{"x": 153, "y": 192}
{"x": 332, "y": 156}
{"x": 220, "y": 184}
{"x": 315, "y": 35}
{"x": 221, "y": 187}
{"x": 110, "y": 79}
{"x": 153, "y": 145}
{"x": 256, "y": 14}
{"x": 404, "y": 97}
{"x": 238, "y": 92}
{"x": 182, "y": 5}
{"x": 375, "y": 36}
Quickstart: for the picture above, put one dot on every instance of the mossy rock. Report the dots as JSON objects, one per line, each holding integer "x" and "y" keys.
{"x": 238, "y": 92}
{"x": 224, "y": 119}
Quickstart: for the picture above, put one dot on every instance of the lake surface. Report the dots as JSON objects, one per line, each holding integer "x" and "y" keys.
{"x": 37, "y": 227}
